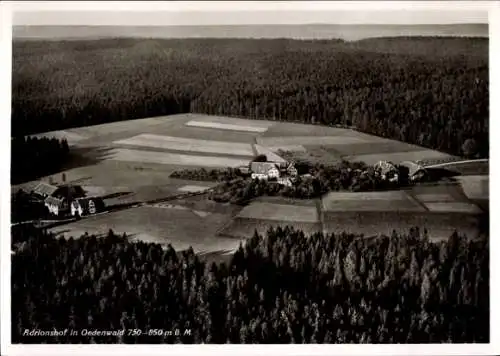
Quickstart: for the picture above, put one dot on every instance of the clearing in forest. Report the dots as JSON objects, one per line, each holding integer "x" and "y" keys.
{"x": 166, "y": 158}
{"x": 188, "y": 144}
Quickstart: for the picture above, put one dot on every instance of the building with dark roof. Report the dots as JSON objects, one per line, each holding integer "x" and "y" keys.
{"x": 415, "y": 170}
{"x": 44, "y": 189}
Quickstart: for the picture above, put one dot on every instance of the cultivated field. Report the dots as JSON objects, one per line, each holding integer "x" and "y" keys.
{"x": 180, "y": 227}
{"x": 129, "y": 155}
{"x": 131, "y": 161}
{"x": 189, "y": 145}
{"x": 398, "y": 157}
{"x": 271, "y": 156}
{"x": 370, "y": 201}
{"x": 279, "y": 212}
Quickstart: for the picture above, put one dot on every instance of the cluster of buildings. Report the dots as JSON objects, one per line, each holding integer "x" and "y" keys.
{"x": 392, "y": 173}
{"x": 283, "y": 173}
{"x": 68, "y": 199}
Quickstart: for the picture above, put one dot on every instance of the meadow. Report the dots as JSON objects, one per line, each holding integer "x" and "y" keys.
{"x": 131, "y": 161}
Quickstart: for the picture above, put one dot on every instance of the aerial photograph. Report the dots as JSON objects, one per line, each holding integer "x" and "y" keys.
{"x": 250, "y": 178}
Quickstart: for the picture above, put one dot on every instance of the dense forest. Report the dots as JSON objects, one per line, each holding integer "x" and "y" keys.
{"x": 25, "y": 207}
{"x": 429, "y": 91}
{"x": 34, "y": 157}
{"x": 282, "y": 288}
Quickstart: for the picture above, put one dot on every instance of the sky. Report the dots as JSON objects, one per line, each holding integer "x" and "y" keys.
{"x": 143, "y": 16}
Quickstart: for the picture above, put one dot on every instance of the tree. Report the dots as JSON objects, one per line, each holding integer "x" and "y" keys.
{"x": 469, "y": 148}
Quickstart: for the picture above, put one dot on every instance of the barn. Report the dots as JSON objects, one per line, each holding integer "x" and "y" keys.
{"x": 87, "y": 206}
{"x": 264, "y": 170}
{"x": 57, "y": 206}
{"x": 44, "y": 190}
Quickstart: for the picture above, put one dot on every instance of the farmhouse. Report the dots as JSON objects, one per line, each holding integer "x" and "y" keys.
{"x": 264, "y": 170}
{"x": 387, "y": 171}
{"x": 416, "y": 172}
{"x": 44, "y": 190}
{"x": 57, "y": 206}
{"x": 61, "y": 200}
{"x": 86, "y": 206}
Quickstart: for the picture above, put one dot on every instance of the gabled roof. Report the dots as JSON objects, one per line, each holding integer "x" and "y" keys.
{"x": 69, "y": 191}
{"x": 45, "y": 189}
{"x": 413, "y": 167}
{"x": 262, "y": 167}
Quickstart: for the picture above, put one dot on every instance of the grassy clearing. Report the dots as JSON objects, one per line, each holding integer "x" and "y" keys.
{"x": 231, "y": 121}
{"x": 193, "y": 188}
{"x": 475, "y": 187}
{"x": 373, "y": 205}
{"x": 279, "y": 212}
{"x": 382, "y": 147}
{"x": 286, "y": 129}
{"x": 271, "y": 156}
{"x": 128, "y": 155}
{"x": 188, "y": 144}
{"x": 179, "y": 227}
{"x": 309, "y": 140}
{"x": 392, "y": 195}
{"x": 439, "y": 225}
{"x": 221, "y": 126}
{"x": 398, "y": 157}
{"x": 245, "y": 227}
{"x": 453, "y": 207}
{"x": 287, "y": 201}
{"x": 438, "y": 197}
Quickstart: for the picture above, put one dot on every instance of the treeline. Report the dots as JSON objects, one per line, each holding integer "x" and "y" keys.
{"x": 25, "y": 207}
{"x": 33, "y": 157}
{"x": 407, "y": 89}
{"x": 284, "y": 288}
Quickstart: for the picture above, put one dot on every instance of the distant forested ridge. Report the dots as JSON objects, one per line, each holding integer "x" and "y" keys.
{"x": 284, "y": 288}
{"x": 428, "y": 91}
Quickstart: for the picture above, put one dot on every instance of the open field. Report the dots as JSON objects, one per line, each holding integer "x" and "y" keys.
{"x": 309, "y": 140}
{"x": 220, "y": 126}
{"x": 279, "y": 212}
{"x": 131, "y": 161}
{"x": 398, "y": 157}
{"x": 475, "y": 187}
{"x": 180, "y": 227}
{"x": 370, "y": 201}
{"x": 287, "y": 201}
{"x": 453, "y": 207}
{"x": 187, "y": 144}
{"x": 271, "y": 156}
{"x": 128, "y": 155}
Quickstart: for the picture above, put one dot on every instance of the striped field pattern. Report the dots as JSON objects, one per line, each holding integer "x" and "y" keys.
{"x": 130, "y": 155}
{"x": 370, "y": 201}
{"x": 281, "y": 212}
{"x": 188, "y": 144}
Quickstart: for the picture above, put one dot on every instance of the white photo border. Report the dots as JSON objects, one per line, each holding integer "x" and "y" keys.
{"x": 8, "y": 8}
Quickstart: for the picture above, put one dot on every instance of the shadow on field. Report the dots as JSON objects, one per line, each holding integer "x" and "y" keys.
{"x": 86, "y": 156}
{"x": 437, "y": 174}
{"x": 115, "y": 195}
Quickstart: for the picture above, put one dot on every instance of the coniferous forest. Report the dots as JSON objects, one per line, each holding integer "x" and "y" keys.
{"x": 33, "y": 157}
{"x": 281, "y": 288}
{"x": 429, "y": 91}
